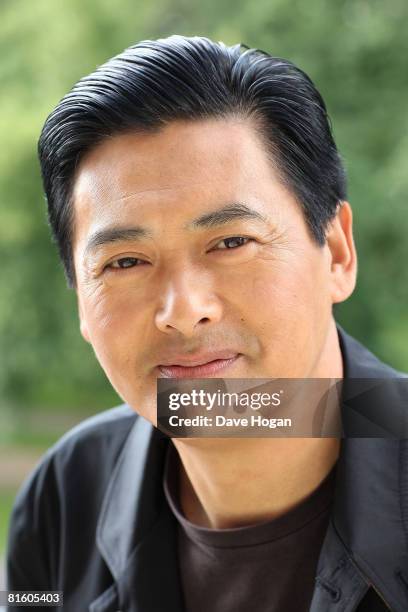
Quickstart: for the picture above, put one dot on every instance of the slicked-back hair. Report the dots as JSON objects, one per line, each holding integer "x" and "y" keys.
{"x": 156, "y": 82}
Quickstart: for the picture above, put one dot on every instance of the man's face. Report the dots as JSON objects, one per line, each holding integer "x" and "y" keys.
{"x": 190, "y": 283}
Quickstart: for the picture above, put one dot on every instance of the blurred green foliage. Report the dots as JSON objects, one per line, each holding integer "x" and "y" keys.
{"x": 355, "y": 51}
{"x": 6, "y": 502}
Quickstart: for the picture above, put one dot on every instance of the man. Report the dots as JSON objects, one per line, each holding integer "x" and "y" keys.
{"x": 199, "y": 205}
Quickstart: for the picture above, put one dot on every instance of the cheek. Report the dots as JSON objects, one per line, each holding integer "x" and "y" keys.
{"x": 118, "y": 333}
{"x": 282, "y": 291}
{"x": 115, "y": 320}
{"x": 289, "y": 300}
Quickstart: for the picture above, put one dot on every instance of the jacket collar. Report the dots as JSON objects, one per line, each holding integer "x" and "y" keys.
{"x": 136, "y": 532}
{"x": 365, "y": 543}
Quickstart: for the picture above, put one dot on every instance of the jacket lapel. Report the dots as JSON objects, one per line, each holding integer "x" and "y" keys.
{"x": 339, "y": 585}
{"x": 136, "y": 532}
{"x": 367, "y": 514}
{"x": 151, "y": 579}
{"x": 366, "y": 544}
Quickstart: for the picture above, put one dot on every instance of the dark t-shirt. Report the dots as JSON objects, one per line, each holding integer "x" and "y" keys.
{"x": 266, "y": 567}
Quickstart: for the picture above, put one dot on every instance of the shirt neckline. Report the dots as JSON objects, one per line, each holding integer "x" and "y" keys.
{"x": 308, "y": 510}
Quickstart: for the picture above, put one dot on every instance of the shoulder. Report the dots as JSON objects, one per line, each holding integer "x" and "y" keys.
{"x": 360, "y": 362}
{"x": 75, "y": 469}
{"x": 63, "y": 494}
{"x": 88, "y": 449}
{"x": 104, "y": 432}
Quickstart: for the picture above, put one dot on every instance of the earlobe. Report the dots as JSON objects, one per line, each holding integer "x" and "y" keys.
{"x": 343, "y": 264}
{"x": 84, "y": 331}
{"x": 83, "y": 327}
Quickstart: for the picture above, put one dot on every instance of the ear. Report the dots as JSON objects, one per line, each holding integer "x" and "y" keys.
{"x": 343, "y": 258}
{"x": 82, "y": 321}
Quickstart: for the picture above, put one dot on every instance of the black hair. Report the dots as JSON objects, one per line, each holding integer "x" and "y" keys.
{"x": 158, "y": 81}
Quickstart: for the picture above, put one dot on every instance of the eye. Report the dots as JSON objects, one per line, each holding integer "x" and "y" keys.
{"x": 124, "y": 262}
{"x": 233, "y": 242}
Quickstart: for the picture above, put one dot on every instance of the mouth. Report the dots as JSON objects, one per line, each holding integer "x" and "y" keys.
{"x": 198, "y": 370}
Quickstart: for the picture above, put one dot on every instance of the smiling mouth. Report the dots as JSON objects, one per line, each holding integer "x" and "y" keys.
{"x": 197, "y": 371}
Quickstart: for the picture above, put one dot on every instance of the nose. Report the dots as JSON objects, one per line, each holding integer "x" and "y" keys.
{"x": 187, "y": 303}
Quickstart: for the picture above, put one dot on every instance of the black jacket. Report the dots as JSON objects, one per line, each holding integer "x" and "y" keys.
{"x": 92, "y": 519}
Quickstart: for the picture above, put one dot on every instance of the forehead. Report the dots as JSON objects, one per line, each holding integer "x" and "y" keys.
{"x": 182, "y": 170}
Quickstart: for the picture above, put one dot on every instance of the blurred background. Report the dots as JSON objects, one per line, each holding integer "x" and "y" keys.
{"x": 356, "y": 52}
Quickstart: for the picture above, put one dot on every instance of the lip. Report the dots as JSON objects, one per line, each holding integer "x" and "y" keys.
{"x": 198, "y": 367}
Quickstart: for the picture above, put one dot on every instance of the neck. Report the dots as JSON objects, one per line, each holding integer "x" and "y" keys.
{"x": 231, "y": 482}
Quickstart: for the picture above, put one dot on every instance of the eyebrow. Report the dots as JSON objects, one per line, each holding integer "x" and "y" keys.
{"x": 115, "y": 234}
{"x": 227, "y": 214}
